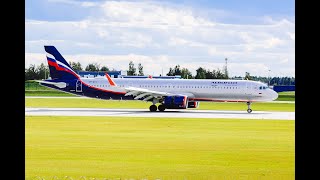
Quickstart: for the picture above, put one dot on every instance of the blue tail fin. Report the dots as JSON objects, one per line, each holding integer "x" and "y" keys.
{"x": 59, "y": 68}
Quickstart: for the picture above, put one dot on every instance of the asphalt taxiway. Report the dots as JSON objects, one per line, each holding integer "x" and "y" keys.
{"x": 168, "y": 113}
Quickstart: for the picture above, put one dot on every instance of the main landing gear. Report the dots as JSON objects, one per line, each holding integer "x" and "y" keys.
{"x": 161, "y": 107}
{"x": 153, "y": 108}
{"x": 249, "y": 110}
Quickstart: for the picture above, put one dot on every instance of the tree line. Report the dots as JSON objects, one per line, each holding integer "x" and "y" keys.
{"x": 201, "y": 73}
{"x": 41, "y": 71}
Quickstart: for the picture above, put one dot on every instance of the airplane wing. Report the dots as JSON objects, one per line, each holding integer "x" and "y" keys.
{"x": 139, "y": 93}
{"x": 145, "y": 93}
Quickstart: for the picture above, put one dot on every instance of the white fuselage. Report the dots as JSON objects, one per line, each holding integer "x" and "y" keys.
{"x": 195, "y": 89}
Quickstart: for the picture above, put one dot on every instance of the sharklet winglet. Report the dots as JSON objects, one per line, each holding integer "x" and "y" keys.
{"x": 111, "y": 82}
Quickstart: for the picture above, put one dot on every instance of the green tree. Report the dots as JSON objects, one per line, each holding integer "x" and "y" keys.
{"x": 104, "y": 68}
{"x": 75, "y": 66}
{"x": 210, "y": 74}
{"x": 177, "y": 70}
{"x": 92, "y": 67}
{"x": 31, "y": 73}
{"x": 201, "y": 73}
{"x": 140, "y": 68}
{"x": 171, "y": 72}
{"x": 247, "y": 76}
{"x": 220, "y": 75}
{"x": 42, "y": 71}
{"x": 132, "y": 69}
{"x": 186, "y": 74}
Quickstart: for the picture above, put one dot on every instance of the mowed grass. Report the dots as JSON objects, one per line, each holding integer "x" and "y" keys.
{"x": 286, "y": 96}
{"x": 47, "y": 93}
{"x": 158, "y": 148}
{"x": 97, "y": 103}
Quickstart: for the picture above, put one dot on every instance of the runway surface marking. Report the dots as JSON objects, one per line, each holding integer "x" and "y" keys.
{"x": 168, "y": 113}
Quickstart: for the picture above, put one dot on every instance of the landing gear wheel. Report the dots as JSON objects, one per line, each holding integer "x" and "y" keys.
{"x": 249, "y": 109}
{"x": 161, "y": 107}
{"x": 153, "y": 108}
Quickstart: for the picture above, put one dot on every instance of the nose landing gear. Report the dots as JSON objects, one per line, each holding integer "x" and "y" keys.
{"x": 249, "y": 110}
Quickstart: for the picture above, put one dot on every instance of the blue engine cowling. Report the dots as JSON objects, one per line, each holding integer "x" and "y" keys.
{"x": 193, "y": 104}
{"x": 175, "y": 102}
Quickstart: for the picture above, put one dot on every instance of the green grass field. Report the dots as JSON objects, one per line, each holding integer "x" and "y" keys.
{"x": 286, "y": 96}
{"x": 97, "y": 103}
{"x": 161, "y": 148}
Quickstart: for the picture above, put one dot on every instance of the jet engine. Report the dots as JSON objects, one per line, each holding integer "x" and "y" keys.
{"x": 175, "y": 102}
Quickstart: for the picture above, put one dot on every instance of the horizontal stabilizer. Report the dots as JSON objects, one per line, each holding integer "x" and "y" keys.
{"x": 58, "y": 84}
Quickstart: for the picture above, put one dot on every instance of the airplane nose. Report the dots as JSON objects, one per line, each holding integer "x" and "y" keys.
{"x": 274, "y": 95}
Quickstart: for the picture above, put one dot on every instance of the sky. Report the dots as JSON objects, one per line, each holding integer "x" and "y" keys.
{"x": 255, "y": 36}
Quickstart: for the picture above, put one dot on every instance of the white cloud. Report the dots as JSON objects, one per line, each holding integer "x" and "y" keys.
{"x": 273, "y": 42}
{"x": 134, "y": 39}
{"x": 284, "y": 61}
{"x": 165, "y": 35}
{"x": 89, "y": 4}
{"x": 150, "y": 14}
{"x": 74, "y": 2}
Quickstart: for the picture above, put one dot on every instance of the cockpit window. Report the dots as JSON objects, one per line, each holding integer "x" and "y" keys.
{"x": 263, "y": 87}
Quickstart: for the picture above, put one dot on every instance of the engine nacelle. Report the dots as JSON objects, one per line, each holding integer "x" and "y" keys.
{"x": 175, "y": 102}
{"x": 193, "y": 104}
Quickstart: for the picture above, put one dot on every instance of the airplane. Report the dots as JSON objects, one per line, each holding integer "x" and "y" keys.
{"x": 170, "y": 93}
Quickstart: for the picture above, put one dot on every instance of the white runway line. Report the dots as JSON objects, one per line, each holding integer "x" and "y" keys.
{"x": 168, "y": 113}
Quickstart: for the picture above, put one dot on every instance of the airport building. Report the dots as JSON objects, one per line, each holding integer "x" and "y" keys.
{"x": 91, "y": 74}
{"x": 119, "y": 74}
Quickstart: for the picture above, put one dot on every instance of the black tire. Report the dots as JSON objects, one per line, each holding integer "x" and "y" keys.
{"x": 153, "y": 108}
{"x": 249, "y": 110}
{"x": 161, "y": 107}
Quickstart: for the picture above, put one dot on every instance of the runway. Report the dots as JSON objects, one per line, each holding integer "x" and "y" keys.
{"x": 168, "y": 113}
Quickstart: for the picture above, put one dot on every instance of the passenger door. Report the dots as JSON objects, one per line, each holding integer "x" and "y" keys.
{"x": 78, "y": 86}
{"x": 248, "y": 90}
